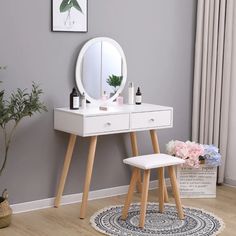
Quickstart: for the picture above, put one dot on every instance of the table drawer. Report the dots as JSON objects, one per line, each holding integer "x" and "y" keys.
{"x": 151, "y": 119}
{"x": 104, "y": 124}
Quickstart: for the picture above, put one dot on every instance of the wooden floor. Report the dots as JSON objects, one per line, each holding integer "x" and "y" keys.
{"x": 65, "y": 221}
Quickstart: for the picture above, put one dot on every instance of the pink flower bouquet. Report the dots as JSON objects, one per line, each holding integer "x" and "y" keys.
{"x": 188, "y": 151}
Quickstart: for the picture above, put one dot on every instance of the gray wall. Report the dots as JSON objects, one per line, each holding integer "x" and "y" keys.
{"x": 158, "y": 39}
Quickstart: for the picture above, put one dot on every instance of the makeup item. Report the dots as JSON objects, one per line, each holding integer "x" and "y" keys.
{"x": 131, "y": 94}
{"x": 138, "y": 97}
{"x": 83, "y": 101}
{"x": 74, "y": 99}
{"x": 103, "y": 106}
{"x": 104, "y": 96}
{"x": 120, "y": 100}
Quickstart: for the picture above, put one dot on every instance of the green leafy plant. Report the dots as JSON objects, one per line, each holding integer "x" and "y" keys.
{"x": 20, "y": 104}
{"x": 114, "y": 81}
{"x": 66, "y": 6}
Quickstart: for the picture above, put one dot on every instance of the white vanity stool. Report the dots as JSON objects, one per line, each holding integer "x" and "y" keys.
{"x": 146, "y": 163}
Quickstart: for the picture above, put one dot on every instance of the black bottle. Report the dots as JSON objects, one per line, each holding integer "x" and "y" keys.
{"x": 74, "y": 100}
{"x": 138, "y": 97}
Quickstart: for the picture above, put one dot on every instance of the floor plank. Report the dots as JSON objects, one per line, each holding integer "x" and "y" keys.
{"x": 64, "y": 221}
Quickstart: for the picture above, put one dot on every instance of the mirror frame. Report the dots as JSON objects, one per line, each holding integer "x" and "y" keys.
{"x": 78, "y": 71}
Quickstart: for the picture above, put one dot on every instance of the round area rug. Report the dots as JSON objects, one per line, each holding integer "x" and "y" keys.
{"x": 197, "y": 222}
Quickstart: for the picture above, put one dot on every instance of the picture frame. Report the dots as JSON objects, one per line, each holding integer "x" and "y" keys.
{"x": 69, "y": 16}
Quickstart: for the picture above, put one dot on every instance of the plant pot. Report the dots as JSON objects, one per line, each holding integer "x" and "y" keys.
{"x": 5, "y": 211}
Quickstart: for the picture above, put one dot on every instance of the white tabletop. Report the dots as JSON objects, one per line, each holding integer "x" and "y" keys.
{"x": 115, "y": 109}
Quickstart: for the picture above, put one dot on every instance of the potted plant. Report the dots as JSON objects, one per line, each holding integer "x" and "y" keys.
{"x": 114, "y": 81}
{"x": 194, "y": 154}
{"x": 18, "y": 105}
{"x": 197, "y": 177}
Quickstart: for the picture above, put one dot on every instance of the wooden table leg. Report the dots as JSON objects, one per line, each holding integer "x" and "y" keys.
{"x": 161, "y": 189}
{"x": 89, "y": 170}
{"x": 66, "y": 166}
{"x": 129, "y": 196}
{"x": 134, "y": 144}
{"x": 156, "y": 149}
{"x": 144, "y": 197}
{"x": 176, "y": 191}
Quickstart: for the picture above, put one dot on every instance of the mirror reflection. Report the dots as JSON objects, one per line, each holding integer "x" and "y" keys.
{"x": 102, "y": 70}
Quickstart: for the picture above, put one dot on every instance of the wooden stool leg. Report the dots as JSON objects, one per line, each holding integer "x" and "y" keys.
{"x": 89, "y": 170}
{"x": 134, "y": 145}
{"x": 161, "y": 189}
{"x": 144, "y": 197}
{"x": 176, "y": 191}
{"x": 129, "y": 197}
{"x": 156, "y": 149}
{"x": 65, "y": 169}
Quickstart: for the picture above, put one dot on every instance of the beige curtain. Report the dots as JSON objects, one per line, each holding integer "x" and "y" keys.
{"x": 213, "y": 74}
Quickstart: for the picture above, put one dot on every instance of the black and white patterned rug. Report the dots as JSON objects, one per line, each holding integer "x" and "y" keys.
{"x": 197, "y": 222}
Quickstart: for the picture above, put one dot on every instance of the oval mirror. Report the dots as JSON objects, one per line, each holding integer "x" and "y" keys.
{"x": 101, "y": 69}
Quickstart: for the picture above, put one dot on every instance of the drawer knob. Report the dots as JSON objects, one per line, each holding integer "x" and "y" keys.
{"x": 108, "y": 123}
{"x": 152, "y": 119}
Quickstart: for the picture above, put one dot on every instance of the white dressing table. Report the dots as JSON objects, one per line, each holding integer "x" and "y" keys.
{"x": 101, "y": 67}
{"x": 93, "y": 122}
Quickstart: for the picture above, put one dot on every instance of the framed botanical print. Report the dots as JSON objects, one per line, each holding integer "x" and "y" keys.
{"x": 70, "y": 15}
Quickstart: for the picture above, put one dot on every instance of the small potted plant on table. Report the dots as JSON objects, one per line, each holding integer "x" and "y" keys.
{"x": 19, "y": 105}
{"x": 114, "y": 81}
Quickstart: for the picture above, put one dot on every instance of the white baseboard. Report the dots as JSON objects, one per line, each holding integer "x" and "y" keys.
{"x": 76, "y": 198}
{"x": 230, "y": 182}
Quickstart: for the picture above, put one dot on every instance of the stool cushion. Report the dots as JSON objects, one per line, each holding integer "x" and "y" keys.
{"x": 152, "y": 161}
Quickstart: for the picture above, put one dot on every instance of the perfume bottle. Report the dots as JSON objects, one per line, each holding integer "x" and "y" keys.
{"x": 104, "y": 96}
{"x": 138, "y": 97}
{"x": 120, "y": 100}
{"x": 103, "y": 106}
{"x": 131, "y": 94}
{"x": 74, "y": 100}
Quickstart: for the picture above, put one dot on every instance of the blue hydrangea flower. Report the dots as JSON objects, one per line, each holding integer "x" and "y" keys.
{"x": 212, "y": 155}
